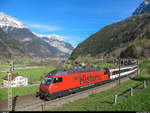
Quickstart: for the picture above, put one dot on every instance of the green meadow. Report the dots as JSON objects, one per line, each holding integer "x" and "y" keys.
{"x": 18, "y": 91}
{"x": 34, "y": 74}
{"x": 31, "y": 74}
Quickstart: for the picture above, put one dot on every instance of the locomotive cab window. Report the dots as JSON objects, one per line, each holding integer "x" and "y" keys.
{"x": 46, "y": 80}
{"x": 56, "y": 80}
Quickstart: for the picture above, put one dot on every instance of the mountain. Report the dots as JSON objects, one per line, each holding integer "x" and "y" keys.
{"x": 10, "y": 48}
{"x": 35, "y": 46}
{"x": 57, "y": 42}
{"x": 7, "y": 21}
{"x": 143, "y": 8}
{"x": 130, "y": 38}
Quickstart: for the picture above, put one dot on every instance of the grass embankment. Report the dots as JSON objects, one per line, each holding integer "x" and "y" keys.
{"x": 104, "y": 101}
{"x": 19, "y": 91}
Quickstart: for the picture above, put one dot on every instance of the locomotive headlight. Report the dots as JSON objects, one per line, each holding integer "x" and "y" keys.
{"x": 43, "y": 81}
{"x": 54, "y": 85}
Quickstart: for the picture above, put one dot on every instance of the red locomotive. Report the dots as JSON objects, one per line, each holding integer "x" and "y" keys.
{"x": 59, "y": 83}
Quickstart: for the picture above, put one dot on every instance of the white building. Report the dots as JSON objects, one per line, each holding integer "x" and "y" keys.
{"x": 16, "y": 81}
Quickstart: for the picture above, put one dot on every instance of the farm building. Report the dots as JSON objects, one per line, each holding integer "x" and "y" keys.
{"x": 16, "y": 81}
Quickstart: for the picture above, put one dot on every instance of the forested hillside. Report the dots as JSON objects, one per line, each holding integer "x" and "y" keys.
{"x": 10, "y": 47}
{"x": 126, "y": 36}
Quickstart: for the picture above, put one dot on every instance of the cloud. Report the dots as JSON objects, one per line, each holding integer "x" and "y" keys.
{"x": 44, "y": 27}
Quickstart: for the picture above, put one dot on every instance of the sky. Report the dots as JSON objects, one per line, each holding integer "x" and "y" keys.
{"x": 74, "y": 20}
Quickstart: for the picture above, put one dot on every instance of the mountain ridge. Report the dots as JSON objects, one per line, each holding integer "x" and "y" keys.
{"x": 35, "y": 46}
{"x": 57, "y": 41}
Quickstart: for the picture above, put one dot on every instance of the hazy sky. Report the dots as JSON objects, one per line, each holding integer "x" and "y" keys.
{"x": 74, "y": 20}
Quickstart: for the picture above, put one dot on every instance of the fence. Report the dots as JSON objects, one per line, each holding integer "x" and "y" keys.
{"x": 131, "y": 90}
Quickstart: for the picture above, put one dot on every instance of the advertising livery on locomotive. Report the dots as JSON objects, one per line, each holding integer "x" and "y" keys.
{"x": 59, "y": 83}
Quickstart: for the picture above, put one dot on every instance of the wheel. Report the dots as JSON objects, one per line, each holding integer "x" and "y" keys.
{"x": 47, "y": 98}
{"x": 41, "y": 97}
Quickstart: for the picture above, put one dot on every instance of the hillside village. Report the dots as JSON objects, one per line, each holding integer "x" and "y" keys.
{"x": 16, "y": 81}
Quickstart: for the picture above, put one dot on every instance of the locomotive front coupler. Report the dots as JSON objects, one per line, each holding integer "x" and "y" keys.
{"x": 37, "y": 94}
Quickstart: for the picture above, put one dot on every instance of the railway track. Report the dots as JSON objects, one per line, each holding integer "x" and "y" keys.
{"x": 40, "y": 105}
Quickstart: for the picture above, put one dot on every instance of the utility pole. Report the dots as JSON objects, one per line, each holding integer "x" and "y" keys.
{"x": 137, "y": 67}
{"x": 119, "y": 70}
{"x": 9, "y": 86}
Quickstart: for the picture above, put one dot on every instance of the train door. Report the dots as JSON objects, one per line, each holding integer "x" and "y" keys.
{"x": 58, "y": 84}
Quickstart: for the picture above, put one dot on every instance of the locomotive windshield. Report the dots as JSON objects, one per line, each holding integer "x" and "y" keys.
{"x": 52, "y": 73}
{"x": 46, "y": 80}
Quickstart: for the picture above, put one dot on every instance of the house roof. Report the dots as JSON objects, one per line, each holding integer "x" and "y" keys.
{"x": 13, "y": 76}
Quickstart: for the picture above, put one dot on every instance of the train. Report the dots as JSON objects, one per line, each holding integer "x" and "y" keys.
{"x": 59, "y": 83}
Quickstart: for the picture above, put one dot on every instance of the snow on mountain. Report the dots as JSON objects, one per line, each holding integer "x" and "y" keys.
{"x": 144, "y": 7}
{"x": 53, "y": 36}
{"x": 7, "y": 21}
{"x": 147, "y": 2}
{"x": 57, "y": 42}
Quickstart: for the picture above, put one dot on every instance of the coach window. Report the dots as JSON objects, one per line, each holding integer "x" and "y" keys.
{"x": 56, "y": 80}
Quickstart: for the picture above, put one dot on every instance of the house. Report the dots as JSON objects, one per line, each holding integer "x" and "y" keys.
{"x": 16, "y": 81}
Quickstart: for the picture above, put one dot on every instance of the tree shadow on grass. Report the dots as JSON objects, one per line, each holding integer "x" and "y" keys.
{"x": 107, "y": 102}
{"x": 141, "y": 79}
